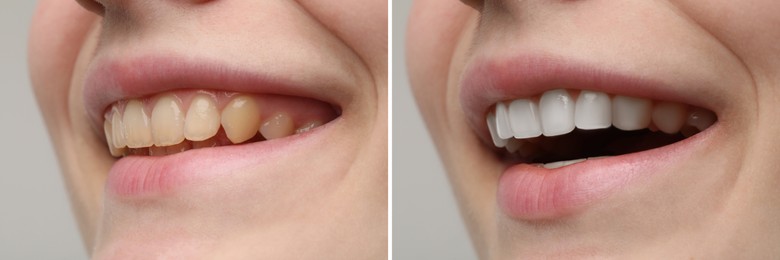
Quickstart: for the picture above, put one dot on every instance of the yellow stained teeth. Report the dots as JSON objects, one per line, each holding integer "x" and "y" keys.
{"x": 118, "y": 137}
{"x": 669, "y": 117}
{"x": 109, "y": 140}
{"x": 180, "y": 120}
{"x": 307, "y": 126}
{"x": 138, "y": 129}
{"x": 241, "y": 119}
{"x": 167, "y": 121}
{"x": 280, "y": 125}
{"x": 202, "y": 120}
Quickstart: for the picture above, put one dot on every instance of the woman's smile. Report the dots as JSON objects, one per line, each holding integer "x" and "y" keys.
{"x": 219, "y": 129}
{"x": 571, "y": 134}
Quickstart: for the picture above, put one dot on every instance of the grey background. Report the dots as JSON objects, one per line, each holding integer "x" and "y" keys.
{"x": 426, "y": 222}
{"x": 35, "y": 217}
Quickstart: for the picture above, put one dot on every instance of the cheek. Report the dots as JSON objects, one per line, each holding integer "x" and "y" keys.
{"x": 433, "y": 35}
{"x": 56, "y": 35}
{"x": 362, "y": 25}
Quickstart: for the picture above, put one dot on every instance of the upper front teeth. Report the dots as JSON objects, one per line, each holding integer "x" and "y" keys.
{"x": 556, "y": 113}
{"x": 173, "y": 122}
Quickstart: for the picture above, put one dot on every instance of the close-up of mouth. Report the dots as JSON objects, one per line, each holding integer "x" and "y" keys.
{"x": 164, "y": 117}
{"x": 570, "y": 136}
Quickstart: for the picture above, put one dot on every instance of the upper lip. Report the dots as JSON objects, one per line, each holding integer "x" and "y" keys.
{"x": 486, "y": 82}
{"x": 109, "y": 80}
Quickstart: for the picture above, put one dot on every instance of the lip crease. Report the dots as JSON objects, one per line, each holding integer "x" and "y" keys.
{"x": 143, "y": 177}
{"x": 530, "y": 192}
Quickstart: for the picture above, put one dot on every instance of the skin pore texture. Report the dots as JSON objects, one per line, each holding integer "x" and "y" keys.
{"x": 319, "y": 194}
{"x": 720, "y": 201}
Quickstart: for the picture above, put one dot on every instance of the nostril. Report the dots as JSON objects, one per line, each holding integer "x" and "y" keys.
{"x": 476, "y": 4}
{"x": 92, "y": 6}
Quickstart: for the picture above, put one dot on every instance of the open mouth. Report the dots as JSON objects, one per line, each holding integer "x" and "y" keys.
{"x": 182, "y": 123}
{"x": 178, "y": 121}
{"x": 568, "y": 134}
{"x": 563, "y": 127}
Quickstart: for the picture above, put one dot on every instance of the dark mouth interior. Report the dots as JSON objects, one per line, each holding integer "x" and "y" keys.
{"x": 590, "y": 143}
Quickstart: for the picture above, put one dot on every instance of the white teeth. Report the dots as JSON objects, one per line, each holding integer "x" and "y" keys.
{"x": 524, "y": 119}
{"x": 202, "y": 120}
{"x": 167, "y": 121}
{"x": 560, "y": 164}
{"x": 554, "y": 165}
{"x": 701, "y": 119}
{"x": 557, "y": 112}
{"x": 502, "y": 121}
{"x": 669, "y": 117}
{"x": 491, "y": 122}
{"x": 137, "y": 125}
{"x": 630, "y": 113}
{"x": 593, "y": 111}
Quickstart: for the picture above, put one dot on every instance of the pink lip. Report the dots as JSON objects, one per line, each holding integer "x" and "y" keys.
{"x": 140, "y": 177}
{"x": 530, "y": 192}
{"x": 133, "y": 177}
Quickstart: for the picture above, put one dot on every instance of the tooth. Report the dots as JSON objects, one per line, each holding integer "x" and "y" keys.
{"x": 167, "y": 121}
{"x": 491, "y": 123}
{"x": 137, "y": 126}
{"x": 701, "y": 118}
{"x": 502, "y": 121}
{"x": 669, "y": 117}
{"x": 593, "y": 110}
{"x": 241, "y": 119}
{"x": 280, "y": 125}
{"x": 598, "y": 157}
{"x": 630, "y": 113}
{"x": 524, "y": 118}
{"x": 202, "y": 121}
{"x": 116, "y": 152}
{"x": 307, "y": 127}
{"x": 560, "y": 164}
{"x": 557, "y": 112}
{"x": 118, "y": 129}
{"x": 513, "y": 145}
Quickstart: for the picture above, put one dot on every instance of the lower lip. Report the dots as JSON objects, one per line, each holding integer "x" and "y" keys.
{"x": 534, "y": 193}
{"x": 146, "y": 177}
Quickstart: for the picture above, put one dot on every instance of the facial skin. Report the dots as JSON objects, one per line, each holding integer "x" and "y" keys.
{"x": 720, "y": 202}
{"x": 326, "y": 198}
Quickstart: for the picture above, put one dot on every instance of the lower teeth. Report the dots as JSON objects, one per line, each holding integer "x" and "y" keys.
{"x": 559, "y": 164}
